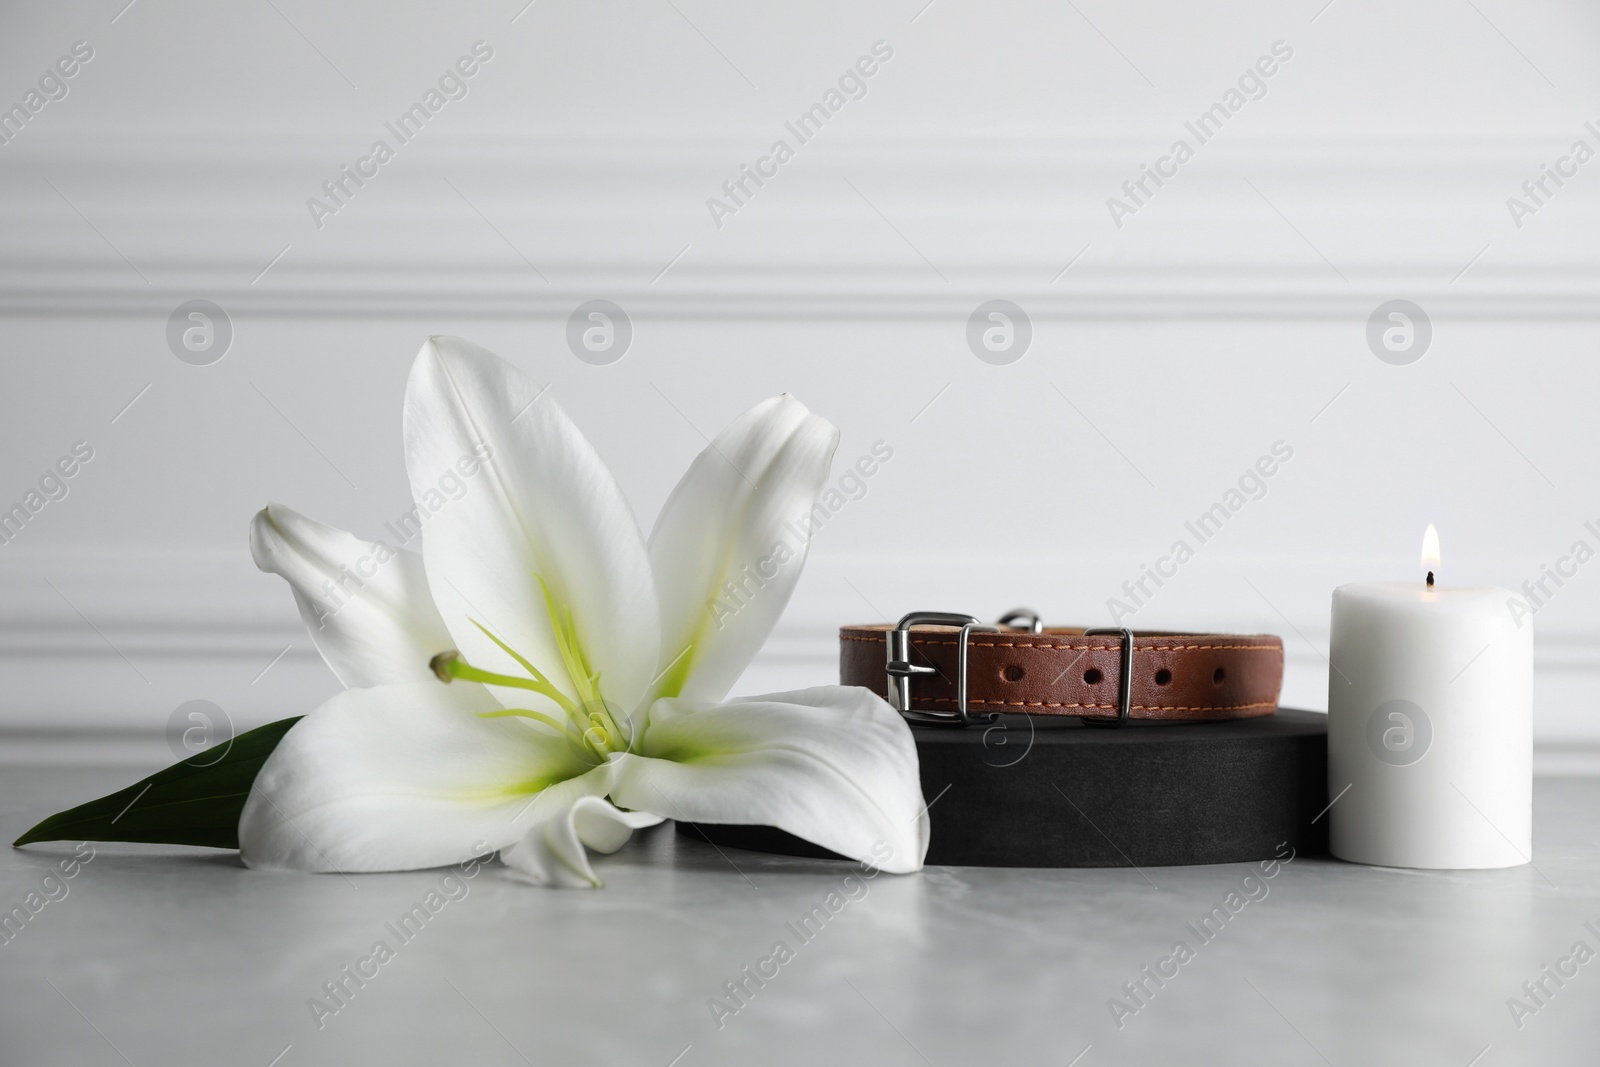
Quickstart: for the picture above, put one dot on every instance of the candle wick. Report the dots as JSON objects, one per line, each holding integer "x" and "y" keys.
{"x": 1430, "y": 579}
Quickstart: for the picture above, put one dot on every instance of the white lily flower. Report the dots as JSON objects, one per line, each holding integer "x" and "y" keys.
{"x": 580, "y": 672}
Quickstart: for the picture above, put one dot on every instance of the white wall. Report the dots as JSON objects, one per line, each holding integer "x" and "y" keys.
{"x": 1221, "y": 317}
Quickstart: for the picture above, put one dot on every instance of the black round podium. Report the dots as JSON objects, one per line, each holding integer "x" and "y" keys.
{"x": 1051, "y": 792}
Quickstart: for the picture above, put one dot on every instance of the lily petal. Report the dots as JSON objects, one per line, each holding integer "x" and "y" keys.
{"x": 553, "y": 853}
{"x": 833, "y": 765}
{"x": 366, "y": 605}
{"x": 401, "y": 777}
{"x": 731, "y": 541}
{"x": 543, "y": 508}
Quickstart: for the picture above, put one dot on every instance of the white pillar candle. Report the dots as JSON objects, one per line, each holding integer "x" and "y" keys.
{"x": 1430, "y": 726}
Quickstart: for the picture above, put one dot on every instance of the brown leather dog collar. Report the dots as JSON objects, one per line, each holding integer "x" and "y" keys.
{"x": 950, "y": 669}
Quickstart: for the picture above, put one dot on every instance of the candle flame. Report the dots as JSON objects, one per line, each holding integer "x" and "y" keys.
{"x": 1430, "y": 548}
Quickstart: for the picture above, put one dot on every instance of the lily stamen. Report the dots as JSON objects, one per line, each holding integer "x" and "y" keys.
{"x": 596, "y": 730}
{"x": 449, "y": 665}
{"x": 537, "y": 716}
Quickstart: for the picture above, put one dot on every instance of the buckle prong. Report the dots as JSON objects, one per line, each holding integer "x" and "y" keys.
{"x": 900, "y": 670}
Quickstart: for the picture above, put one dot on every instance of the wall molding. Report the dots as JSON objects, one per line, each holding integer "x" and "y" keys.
{"x": 848, "y": 229}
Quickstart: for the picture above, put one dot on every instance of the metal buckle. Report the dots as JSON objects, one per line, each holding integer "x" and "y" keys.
{"x": 900, "y": 670}
{"x": 1124, "y": 683}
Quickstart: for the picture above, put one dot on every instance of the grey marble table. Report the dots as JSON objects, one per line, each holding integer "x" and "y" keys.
{"x": 182, "y": 956}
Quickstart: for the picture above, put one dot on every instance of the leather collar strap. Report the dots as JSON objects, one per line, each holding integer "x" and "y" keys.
{"x": 1061, "y": 671}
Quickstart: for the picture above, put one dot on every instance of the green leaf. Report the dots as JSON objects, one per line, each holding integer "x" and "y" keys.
{"x": 196, "y": 802}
